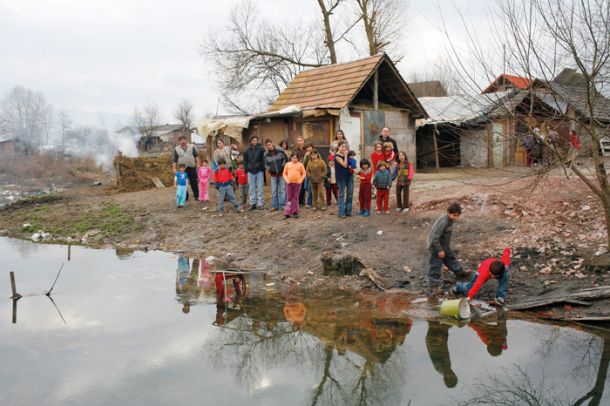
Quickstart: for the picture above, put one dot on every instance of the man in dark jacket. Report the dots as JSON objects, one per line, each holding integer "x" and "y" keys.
{"x": 254, "y": 164}
{"x": 385, "y": 137}
{"x": 275, "y": 158}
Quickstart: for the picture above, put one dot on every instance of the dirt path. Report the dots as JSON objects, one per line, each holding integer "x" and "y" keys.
{"x": 552, "y": 228}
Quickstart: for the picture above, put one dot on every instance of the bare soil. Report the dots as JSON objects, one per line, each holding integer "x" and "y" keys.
{"x": 554, "y": 225}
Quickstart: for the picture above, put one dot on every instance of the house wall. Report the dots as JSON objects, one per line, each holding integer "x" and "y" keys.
{"x": 402, "y": 132}
{"x": 473, "y": 148}
{"x": 7, "y": 147}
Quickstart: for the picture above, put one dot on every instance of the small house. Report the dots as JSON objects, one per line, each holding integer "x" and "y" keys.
{"x": 359, "y": 97}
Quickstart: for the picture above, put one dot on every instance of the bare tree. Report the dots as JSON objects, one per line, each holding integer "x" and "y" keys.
{"x": 146, "y": 121}
{"x": 22, "y": 116}
{"x": 384, "y": 23}
{"x": 48, "y": 122}
{"x": 64, "y": 122}
{"x": 539, "y": 39}
{"x": 253, "y": 55}
{"x": 184, "y": 114}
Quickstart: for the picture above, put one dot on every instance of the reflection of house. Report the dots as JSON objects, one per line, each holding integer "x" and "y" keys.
{"x": 161, "y": 138}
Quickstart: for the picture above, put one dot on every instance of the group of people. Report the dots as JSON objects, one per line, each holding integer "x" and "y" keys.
{"x": 534, "y": 144}
{"x": 299, "y": 176}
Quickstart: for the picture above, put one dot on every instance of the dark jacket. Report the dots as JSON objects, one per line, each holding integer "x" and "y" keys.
{"x": 253, "y": 159}
{"x": 275, "y": 161}
{"x": 440, "y": 236}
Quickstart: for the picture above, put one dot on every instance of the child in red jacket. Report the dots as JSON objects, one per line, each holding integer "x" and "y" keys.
{"x": 242, "y": 183}
{"x": 491, "y": 268}
{"x": 364, "y": 196}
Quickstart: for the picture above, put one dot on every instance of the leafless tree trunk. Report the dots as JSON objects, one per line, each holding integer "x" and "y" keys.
{"x": 64, "y": 125}
{"x": 383, "y": 22}
{"x": 255, "y": 57}
{"x": 184, "y": 114}
{"x": 48, "y": 122}
{"x": 327, "y": 7}
{"x": 22, "y": 116}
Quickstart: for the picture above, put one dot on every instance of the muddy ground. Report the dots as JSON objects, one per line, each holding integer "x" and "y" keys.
{"x": 554, "y": 225}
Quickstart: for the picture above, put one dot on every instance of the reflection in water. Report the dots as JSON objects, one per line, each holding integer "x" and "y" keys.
{"x": 255, "y": 345}
{"x": 492, "y": 335}
{"x": 438, "y": 350}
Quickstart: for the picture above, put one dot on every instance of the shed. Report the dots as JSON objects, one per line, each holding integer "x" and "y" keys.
{"x": 7, "y": 145}
{"x": 359, "y": 97}
{"x": 477, "y": 131}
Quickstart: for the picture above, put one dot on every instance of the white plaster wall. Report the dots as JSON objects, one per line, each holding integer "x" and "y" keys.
{"x": 473, "y": 148}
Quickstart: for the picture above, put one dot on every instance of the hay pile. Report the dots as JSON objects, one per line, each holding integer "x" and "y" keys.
{"x": 136, "y": 173}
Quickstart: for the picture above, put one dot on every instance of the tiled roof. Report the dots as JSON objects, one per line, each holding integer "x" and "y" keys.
{"x": 517, "y": 82}
{"x": 331, "y": 86}
{"x": 335, "y": 86}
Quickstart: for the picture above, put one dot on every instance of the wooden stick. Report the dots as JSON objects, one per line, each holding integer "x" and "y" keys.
{"x": 56, "y": 278}
{"x": 16, "y": 296}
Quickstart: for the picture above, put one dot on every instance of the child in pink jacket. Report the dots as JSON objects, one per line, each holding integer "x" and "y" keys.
{"x": 204, "y": 173}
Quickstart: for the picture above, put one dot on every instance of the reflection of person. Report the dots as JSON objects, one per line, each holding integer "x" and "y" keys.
{"x": 438, "y": 350}
{"x": 493, "y": 336}
{"x": 187, "y": 290}
{"x": 295, "y": 314}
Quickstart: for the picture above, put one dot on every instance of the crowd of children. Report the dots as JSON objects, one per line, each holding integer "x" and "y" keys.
{"x": 321, "y": 179}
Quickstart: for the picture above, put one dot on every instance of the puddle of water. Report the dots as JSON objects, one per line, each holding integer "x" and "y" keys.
{"x": 149, "y": 329}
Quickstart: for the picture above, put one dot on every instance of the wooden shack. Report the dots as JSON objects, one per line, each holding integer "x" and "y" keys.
{"x": 359, "y": 97}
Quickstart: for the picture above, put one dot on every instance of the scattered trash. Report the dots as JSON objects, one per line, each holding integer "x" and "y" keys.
{"x": 380, "y": 232}
{"x": 406, "y": 268}
{"x": 269, "y": 284}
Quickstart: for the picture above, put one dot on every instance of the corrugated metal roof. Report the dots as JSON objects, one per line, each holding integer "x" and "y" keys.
{"x": 462, "y": 109}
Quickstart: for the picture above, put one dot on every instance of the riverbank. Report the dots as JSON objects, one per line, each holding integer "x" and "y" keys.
{"x": 553, "y": 227}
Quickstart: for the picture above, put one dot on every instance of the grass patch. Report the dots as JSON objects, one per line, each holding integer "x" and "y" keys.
{"x": 110, "y": 219}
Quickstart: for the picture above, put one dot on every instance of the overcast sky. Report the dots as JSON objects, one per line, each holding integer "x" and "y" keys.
{"x": 112, "y": 55}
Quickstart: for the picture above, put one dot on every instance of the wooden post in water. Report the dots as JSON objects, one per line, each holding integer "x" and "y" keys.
{"x": 16, "y": 296}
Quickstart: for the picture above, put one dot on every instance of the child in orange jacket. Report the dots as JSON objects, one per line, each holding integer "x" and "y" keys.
{"x": 491, "y": 268}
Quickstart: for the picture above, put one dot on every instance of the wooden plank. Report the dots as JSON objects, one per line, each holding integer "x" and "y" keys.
{"x": 157, "y": 182}
{"x": 574, "y": 297}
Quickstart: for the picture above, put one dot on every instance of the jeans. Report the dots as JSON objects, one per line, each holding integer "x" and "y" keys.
{"x": 308, "y": 192}
{"x": 255, "y": 183}
{"x": 180, "y": 195}
{"x": 243, "y": 193}
{"x": 436, "y": 263}
{"x": 464, "y": 287}
{"x": 228, "y": 192}
{"x": 278, "y": 192}
{"x": 346, "y": 192}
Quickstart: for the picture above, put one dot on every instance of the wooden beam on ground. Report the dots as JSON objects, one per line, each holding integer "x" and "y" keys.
{"x": 577, "y": 297}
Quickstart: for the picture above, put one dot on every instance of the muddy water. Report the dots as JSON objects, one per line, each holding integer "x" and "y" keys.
{"x": 150, "y": 329}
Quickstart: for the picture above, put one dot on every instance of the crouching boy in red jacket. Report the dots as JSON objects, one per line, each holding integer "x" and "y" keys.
{"x": 491, "y": 268}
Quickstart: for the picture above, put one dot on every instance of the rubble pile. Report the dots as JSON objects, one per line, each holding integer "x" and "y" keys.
{"x": 135, "y": 174}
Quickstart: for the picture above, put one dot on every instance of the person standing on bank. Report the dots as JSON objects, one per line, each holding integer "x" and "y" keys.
{"x": 222, "y": 152}
{"x": 275, "y": 160}
{"x": 385, "y": 137}
{"x": 340, "y": 136}
{"x": 186, "y": 154}
{"x": 254, "y": 164}
{"x": 345, "y": 180}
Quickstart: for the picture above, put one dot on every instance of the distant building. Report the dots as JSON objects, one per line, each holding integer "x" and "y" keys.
{"x": 162, "y": 138}
{"x": 7, "y": 145}
{"x": 430, "y": 88}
